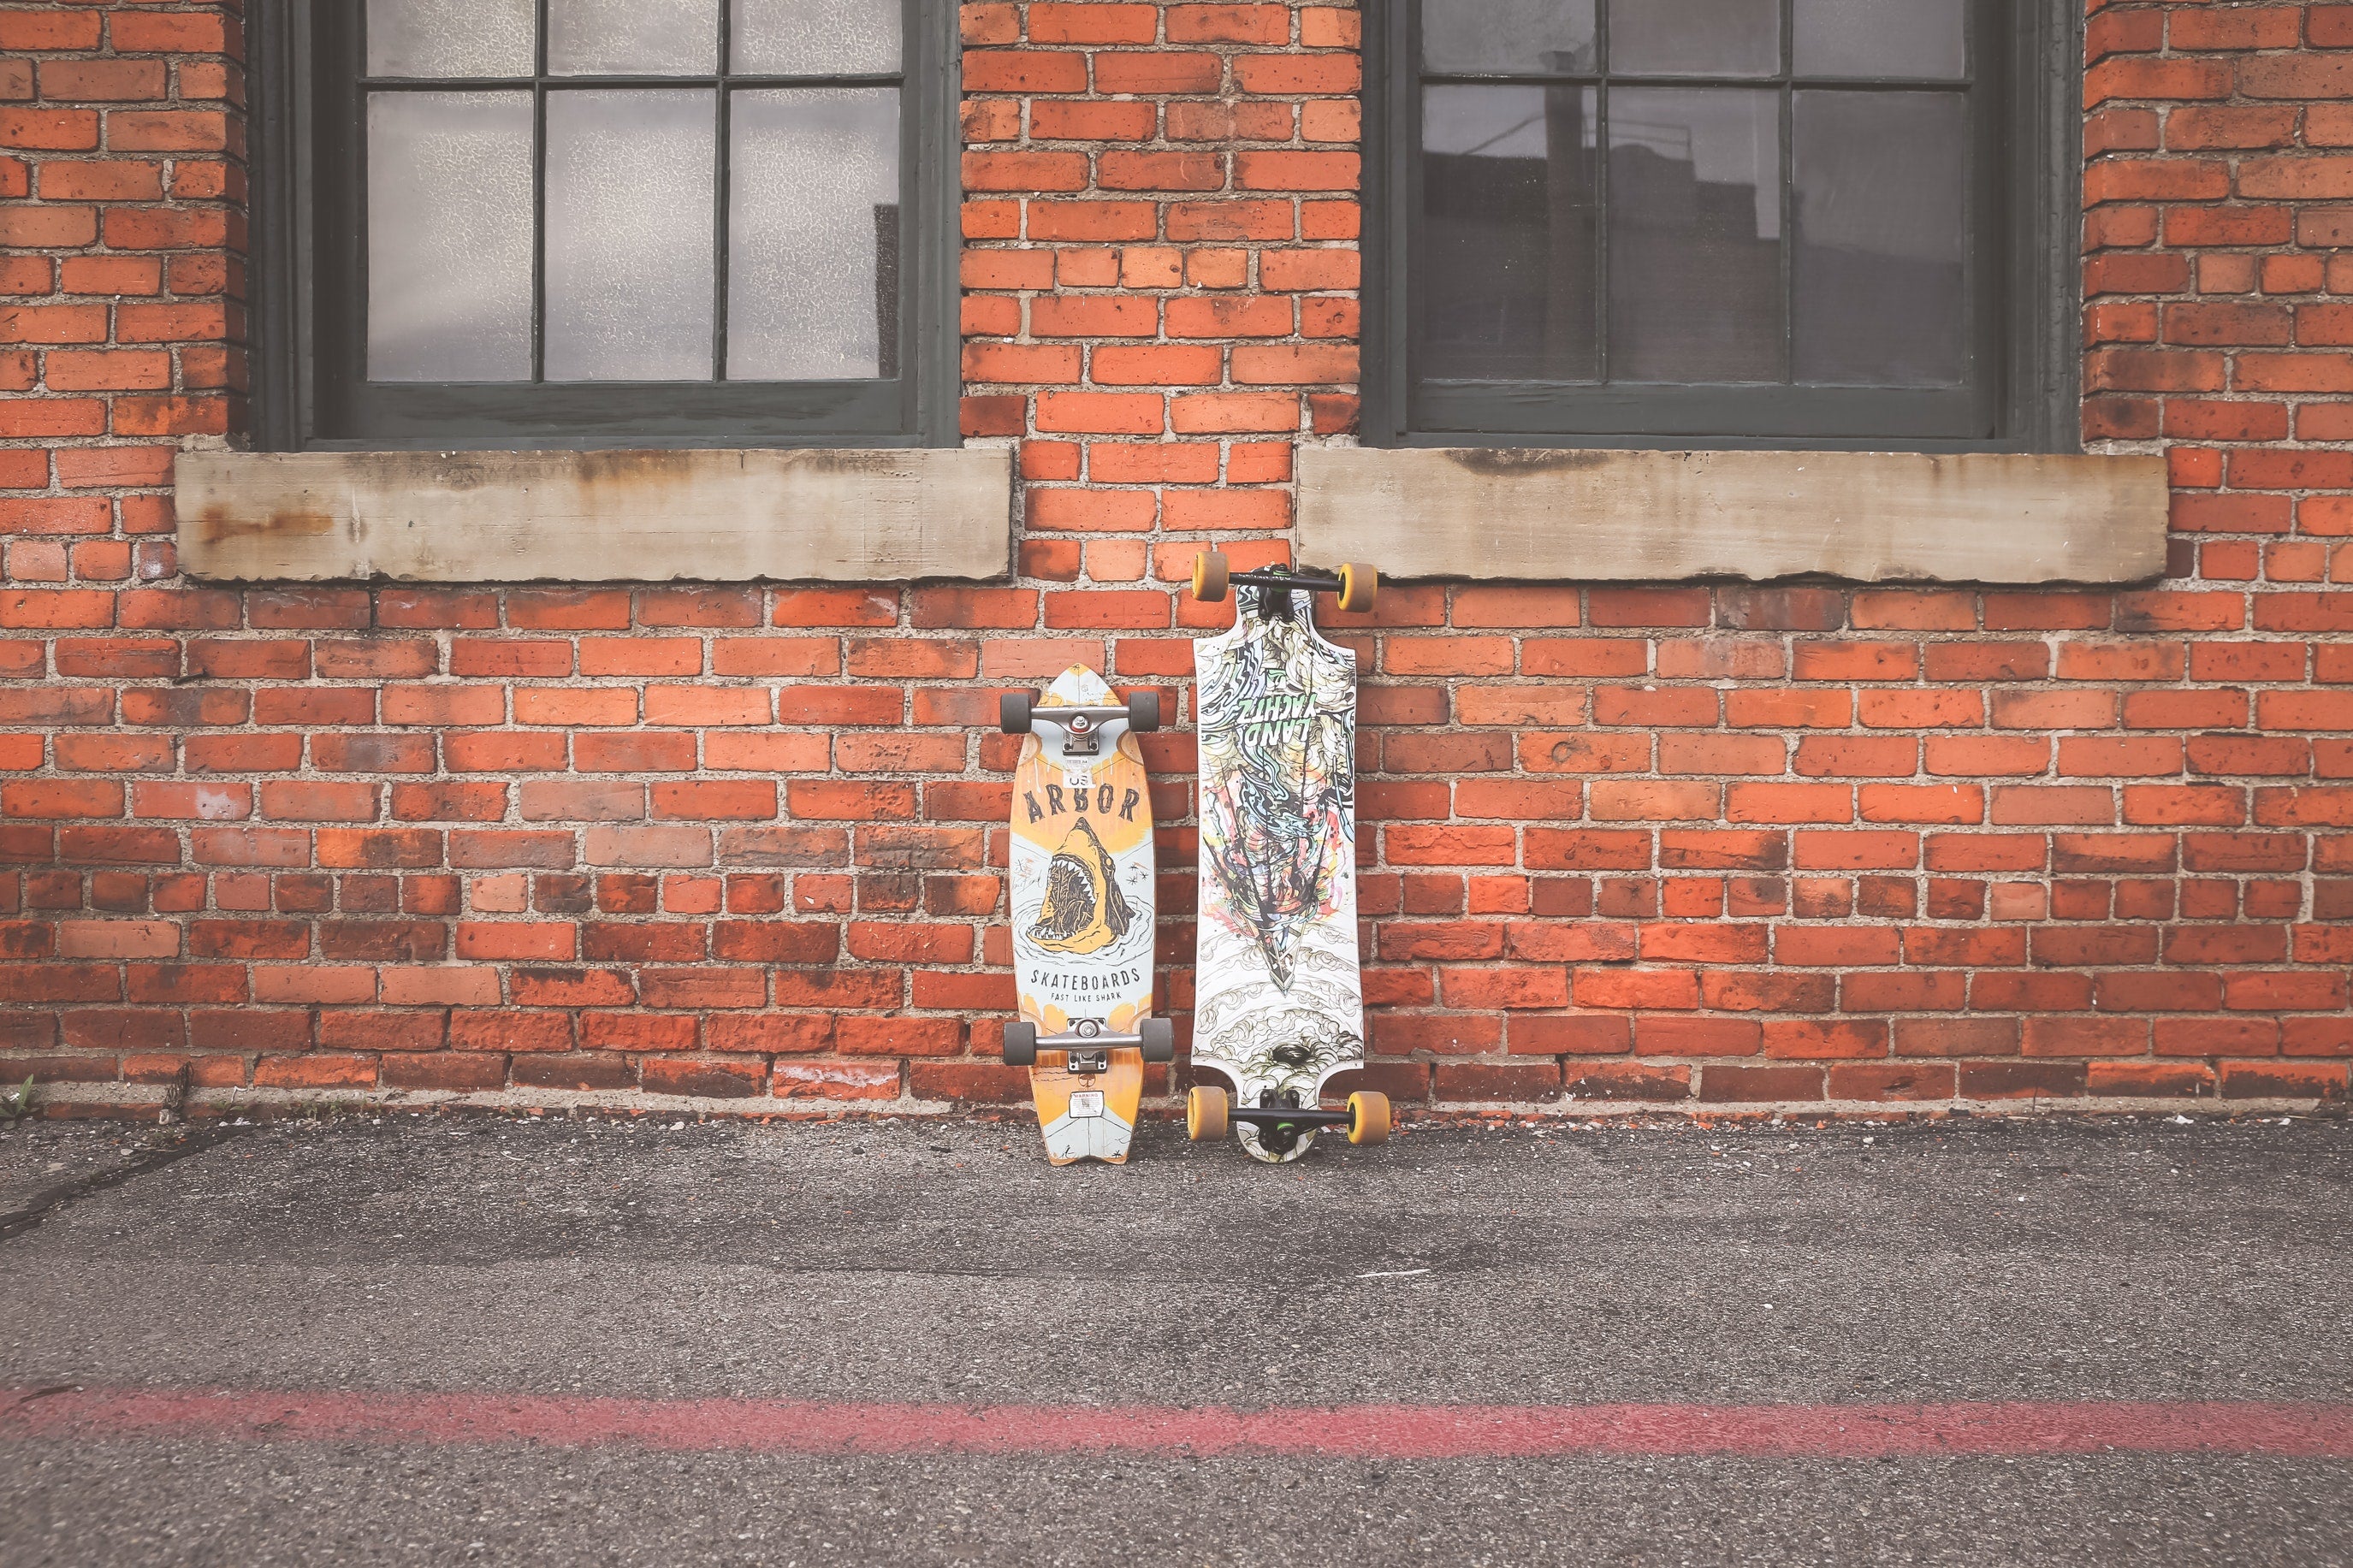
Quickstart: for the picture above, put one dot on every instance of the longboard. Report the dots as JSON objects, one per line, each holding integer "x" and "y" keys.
{"x": 1081, "y": 904}
{"x": 1279, "y": 1007}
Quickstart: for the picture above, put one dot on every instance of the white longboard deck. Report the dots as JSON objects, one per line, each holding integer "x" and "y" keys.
{"x": 1279, "y": 1003}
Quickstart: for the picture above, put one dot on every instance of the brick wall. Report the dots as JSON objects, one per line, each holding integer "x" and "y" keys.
{"x": 1677, "y": 845}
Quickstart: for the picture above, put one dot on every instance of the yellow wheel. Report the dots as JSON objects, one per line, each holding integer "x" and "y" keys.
{"x": 1209, "y": 576}
{"x": 1204, "y": 1113}
{"x": 1369, "y": 1117}
{"x": 1359, "y": 585}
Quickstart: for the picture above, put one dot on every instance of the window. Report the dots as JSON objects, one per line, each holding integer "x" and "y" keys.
{"x": 604, "y": 223}
{"x": 1725, "y": 221}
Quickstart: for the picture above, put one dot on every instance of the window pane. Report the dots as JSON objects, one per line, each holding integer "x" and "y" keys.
{"x": 1694, "y": 234}
{"x": 449, "y": 237}
{"x": 813, "y": 235}
{"x": 1507, "y": 35}
{"x": 1880, "y": 37}
{"x": 449, "y": 37}
{"x": 1507, "y": 244}
{"x": 632, "y": 38}
{"x": 630, "y": 266}
{"x": 1881, "y": 197}
{"x": 1696, "y": 37}
{"x": 813, "y": 36}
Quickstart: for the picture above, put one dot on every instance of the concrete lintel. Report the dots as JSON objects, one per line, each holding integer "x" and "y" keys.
{"x": 1531, "y": 514}
{"x": 879, "y": 516}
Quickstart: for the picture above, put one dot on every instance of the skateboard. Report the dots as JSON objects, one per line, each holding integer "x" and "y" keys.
{"x": 1083, "y": 918}
{"x": 1279, "y": 1005}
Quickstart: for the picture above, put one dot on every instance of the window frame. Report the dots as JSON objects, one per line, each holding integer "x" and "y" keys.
{"x": 2027, "y": 296}
{"x": 303, "y": 77}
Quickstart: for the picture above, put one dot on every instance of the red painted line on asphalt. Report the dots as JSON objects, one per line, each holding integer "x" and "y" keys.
{"x": 1347, "y": 1431}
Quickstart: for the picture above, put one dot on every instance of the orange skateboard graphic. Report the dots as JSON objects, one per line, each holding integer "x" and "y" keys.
{"x": 1083, "y": 913}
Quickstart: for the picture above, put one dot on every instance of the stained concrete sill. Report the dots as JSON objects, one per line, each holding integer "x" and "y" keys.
{"x": 869, "y": 516}
{"x": 1529, "y": 515}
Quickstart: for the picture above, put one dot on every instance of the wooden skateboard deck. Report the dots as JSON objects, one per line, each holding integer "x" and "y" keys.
{"x": 1082, "y": 900}
{"x": 1279, "y": 1003}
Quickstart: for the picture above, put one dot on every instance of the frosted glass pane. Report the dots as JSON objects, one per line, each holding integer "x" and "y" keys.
{"x": 449, "y": 229}
{"x": 632, "y": 38}
{"x": 812, "y": 36}
{"x": 448, "y": 37}
{"x": 1696, "y": 37}
{"x": 1507, "y": 35}
{"x": 1881, "y": 38}
{"x": 1695, "y": 234}
{"x": 629, "y": 265}
{"x": 1883, "y": 191}
{"x": 813, "y": 235}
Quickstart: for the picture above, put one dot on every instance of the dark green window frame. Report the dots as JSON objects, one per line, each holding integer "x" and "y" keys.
{"x": 2020, "y": 392}
{"x": 307, "y": 276}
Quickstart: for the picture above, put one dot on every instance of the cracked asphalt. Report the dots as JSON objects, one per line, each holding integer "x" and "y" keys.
{"x": 1964, "y": 1261}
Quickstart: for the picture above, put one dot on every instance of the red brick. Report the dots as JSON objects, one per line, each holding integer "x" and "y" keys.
{"x": 1157, "y": 365}
{"x": 1054, "y": 120}
{"x": 1231, "y": 220}
{"x": 1123, "y": 171}
{"x": 1120, "y": 72}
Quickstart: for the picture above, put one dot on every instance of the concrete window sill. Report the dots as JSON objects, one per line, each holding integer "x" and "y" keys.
{"x": 890, "y": 515}
{"x": 1534, "y": 515}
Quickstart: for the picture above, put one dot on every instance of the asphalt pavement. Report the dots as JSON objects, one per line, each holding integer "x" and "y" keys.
{"x": 883, "y": 1267}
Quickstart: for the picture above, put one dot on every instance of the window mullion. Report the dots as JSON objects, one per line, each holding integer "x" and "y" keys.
{"x": 720, "y": 190}
{"x": 539, "y": 194}
{"x": 357, "y": 307}
{"x": 1788, "y": 194}
{"x": 1602, "y": 193}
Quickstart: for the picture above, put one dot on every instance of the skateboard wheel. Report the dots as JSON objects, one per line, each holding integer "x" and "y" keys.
{"x": 1209, "y": 576}
{"x": 1022, "y": 1045}
{"x": 1359, "y": 585}
{"x": 1204, "y": 1113}
{"x": 1369, "y": 1117}
{"x": 1013, "y": 712}
{"x": 1144, "y": 712}
{"x": 1159, "y": 1036}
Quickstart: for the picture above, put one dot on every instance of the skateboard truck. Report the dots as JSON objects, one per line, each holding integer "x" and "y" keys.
{"x": 1285, "y": 1116}
{"x": 1018, "y": 712}
{"x": 1356, "y": 586}
{"x": 1208, "y": 1112}
{"x": 1089, "y": 1046}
